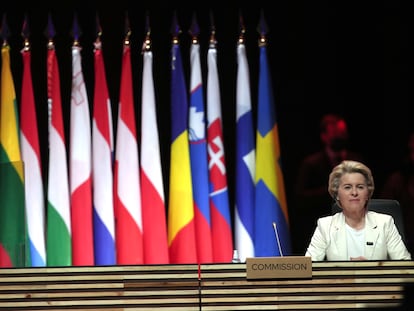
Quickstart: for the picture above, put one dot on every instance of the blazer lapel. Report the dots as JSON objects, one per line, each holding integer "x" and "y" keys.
{"x": 339, "y": 235}
{"x": 371, "y": 235}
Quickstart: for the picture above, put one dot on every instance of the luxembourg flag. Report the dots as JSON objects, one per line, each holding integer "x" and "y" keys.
{"x": 222, "y": 234}
{"x": 153, "y": 202}
{"x": 198, "y": 158}
{"x": 35, "y": 201}
{"x": 245, "y": 160}
{"x": 128, "y": 214}
{"x": 102, "y": 164}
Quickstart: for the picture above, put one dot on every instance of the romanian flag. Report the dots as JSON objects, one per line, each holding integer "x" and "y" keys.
{"x": 13, "y": 236}
{"x": 34, "y": 192}
{"x": 222, "y": 234}
{"x": 245, "y": 160}
{"x": 80, "y": 167}
{"x": 128, "y": 217}
{"x": 102, "y": 164}
{"x": 181, "y": 227}
{"x": 58, "y": 229}
{"x": 271, "y": 218}
{"x": 153, "y": 203}
{"x": 198, "y": 158}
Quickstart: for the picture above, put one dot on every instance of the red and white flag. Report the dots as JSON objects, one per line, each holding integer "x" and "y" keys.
{"x": 128, "y": 214}
{"x": 153, "y": 202}
{"x": 80, "y": 171}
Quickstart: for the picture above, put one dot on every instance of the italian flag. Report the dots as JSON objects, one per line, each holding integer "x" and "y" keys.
{"x": 59, "y": 236}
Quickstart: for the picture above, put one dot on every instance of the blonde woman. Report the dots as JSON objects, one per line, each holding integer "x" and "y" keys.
{"x": 355, "y": 233}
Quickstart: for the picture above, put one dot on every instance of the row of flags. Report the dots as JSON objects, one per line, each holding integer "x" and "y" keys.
{"x": 105, "y": 204}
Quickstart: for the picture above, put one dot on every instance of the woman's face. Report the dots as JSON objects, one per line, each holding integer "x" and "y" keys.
{"x": 353, "y": 193}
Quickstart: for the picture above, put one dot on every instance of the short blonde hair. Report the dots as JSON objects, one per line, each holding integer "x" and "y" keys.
{"x": 346, "y": 167}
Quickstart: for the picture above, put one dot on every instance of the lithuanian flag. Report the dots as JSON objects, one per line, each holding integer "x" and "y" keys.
{"x": 12, "y": 211}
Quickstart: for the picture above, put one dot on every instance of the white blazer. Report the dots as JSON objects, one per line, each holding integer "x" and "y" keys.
{"x": 382, "y": 239}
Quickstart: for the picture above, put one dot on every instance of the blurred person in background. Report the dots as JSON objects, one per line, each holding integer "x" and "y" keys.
{"x": 312, "y": 199}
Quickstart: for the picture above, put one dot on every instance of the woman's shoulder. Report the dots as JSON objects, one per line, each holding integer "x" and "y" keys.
{"x": 379, "y": 217}
{"x": 331, "y": 218}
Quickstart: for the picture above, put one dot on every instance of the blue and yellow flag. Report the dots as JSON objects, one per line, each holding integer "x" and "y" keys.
{"x": 272, "y": 237}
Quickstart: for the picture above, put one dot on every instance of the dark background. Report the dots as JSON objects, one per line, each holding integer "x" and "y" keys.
{"x": 345, "y": 57}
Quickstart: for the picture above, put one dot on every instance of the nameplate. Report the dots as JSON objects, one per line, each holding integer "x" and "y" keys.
{"x": 286, "y": 267}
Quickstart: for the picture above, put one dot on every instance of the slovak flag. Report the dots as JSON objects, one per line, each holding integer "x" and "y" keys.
{"x": 222, "y": 234}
